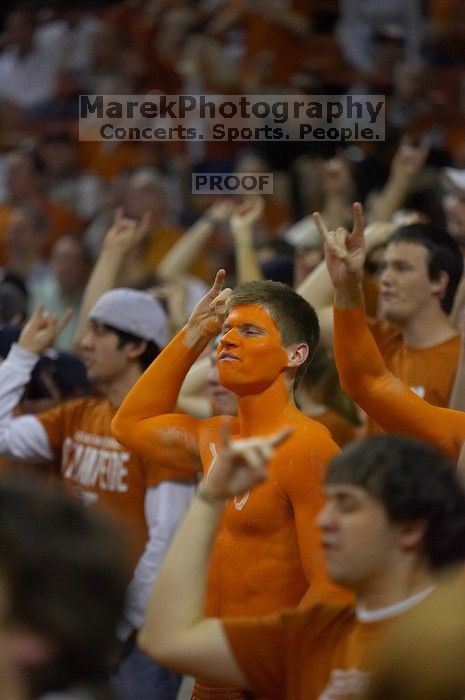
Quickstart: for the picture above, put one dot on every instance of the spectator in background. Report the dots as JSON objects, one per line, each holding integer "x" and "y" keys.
{"x": 361, "y": 22}
{"x": 64, "y": 286}
{"x": 25, "y": 185}
{"x": 146, "y": 193}
{"x": 24, "y": 243}
{"x": 65, "y": 182}
{"x": 30, "y": 62}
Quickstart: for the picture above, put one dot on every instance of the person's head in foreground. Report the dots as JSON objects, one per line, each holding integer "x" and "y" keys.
{"x": 268, "y": 330}
{"x": 393, "y": 505}
{"x": 64, "y": 571}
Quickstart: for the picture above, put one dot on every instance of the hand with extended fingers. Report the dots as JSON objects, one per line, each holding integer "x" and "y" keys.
{"x": 207, "y": 317}
{"x": 410, "y": 158}
{"x": 344, "y": 251}
{"x": 246, "y": 214}
{"x": 42, "y": 329}
{"x": 241, "y": 465}
{"x": 126, "y": 233}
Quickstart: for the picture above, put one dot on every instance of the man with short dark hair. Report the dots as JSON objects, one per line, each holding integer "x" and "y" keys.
{"x": 420, "y": 273}
{"x": 394, "y": 519}
{"x": 267, "y": 554}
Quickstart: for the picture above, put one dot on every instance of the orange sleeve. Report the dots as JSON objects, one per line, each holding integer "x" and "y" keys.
{"x": 385, "y": 398}
{"x": 145, "y": 424}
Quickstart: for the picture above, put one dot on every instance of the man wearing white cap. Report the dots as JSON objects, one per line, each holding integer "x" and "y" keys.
{"x": 125, "y": 331}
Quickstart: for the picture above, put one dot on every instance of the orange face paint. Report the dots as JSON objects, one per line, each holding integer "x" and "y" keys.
{"x": 250, "y": 354}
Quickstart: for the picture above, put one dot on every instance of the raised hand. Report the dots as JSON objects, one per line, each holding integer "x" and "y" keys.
{"x": 344, "y": 251}
{"x": 247, "y": 213}
{"x": 42, "y": 329}
{"x": 207, "y": 317}
{"x": 125, "y": 233}
{"x": 410, "y": 158}
{"x": 219, "y": 212}
{"x": 241, "y": 464}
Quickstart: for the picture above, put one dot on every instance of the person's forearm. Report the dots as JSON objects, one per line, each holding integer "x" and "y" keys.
{"x": 317, "y": 288}
{"x": 391, "y": 198}
{"x": 349, "y": 296}
{"x": 103, "y": 278}
{"x": 247, "y": 268}
{"x": 177, "y": 600}
{"x": 181, "y": 256}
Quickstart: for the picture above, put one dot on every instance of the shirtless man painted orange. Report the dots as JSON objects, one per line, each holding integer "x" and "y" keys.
{"x": 267, "y": 554}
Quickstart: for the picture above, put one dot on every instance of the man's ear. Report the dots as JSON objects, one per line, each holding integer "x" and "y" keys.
{"x": 439, "y": 284}
{"x": 411, "y": 534}
{"x": 297, "y": 354}
{"x": 136, "y": 349}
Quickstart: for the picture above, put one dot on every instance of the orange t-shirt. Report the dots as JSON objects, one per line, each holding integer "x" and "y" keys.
{"x": 429, "y": 372}
{"x": 318, "y": 653}
{"x": 98, "y": 469}
{"x": 384, "y": 397}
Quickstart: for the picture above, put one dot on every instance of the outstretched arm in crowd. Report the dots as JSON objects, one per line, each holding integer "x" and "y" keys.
{"x": 175, "y": 630}
{"x": 123, "y": 235}
{"x": 361, "y": 368}
{"x": 183, "y": 253}
{"x": 24, "y": 436}
{"x": 144, "y": 422}
{"x": 406, "y": 166}
{"x": 243, "y": 219}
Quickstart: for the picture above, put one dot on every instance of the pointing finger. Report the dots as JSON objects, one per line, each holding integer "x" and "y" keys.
{"x": 321, "y": 226}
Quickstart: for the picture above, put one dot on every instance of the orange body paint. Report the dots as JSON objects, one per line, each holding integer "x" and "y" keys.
{"x": 267, "y": 553}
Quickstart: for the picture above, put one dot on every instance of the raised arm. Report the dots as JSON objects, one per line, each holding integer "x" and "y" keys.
{"x": 175, "y": 631}
{"x": 24, "y": 436}
{"x": 123, "y": 236}
{"x": 406, "y": 165}
{"x": 144, "y": 422}
{"x": 242, "y": 220}
{"x": 361, "y": 368}
{"x": 183, "y": 253}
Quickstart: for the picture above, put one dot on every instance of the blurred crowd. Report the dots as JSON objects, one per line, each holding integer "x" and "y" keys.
{"x": 79, "y": 219}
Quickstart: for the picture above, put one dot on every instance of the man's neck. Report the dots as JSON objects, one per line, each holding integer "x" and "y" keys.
{"x": 428, "y": 328}
{"x": 389, "y": 593}
{"x": 116, "y": 390}
{"x": 265, "y": 412}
